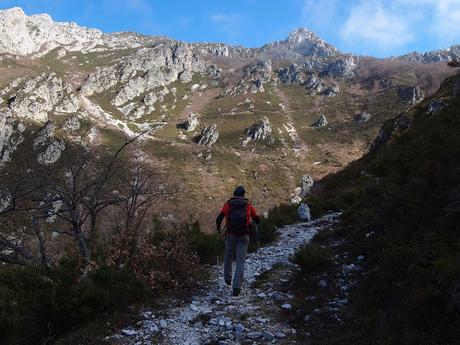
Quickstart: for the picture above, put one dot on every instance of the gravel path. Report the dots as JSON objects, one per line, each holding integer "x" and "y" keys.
{"x": 215, "y": 317}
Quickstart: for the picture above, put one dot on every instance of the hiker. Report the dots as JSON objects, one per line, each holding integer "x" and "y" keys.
{"x": 238, "y": 213}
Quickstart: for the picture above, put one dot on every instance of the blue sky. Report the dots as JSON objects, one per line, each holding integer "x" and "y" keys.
{"x": 369, "y": 27}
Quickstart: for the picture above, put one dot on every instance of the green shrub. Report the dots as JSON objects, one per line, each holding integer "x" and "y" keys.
{"x": 206, "y": 246}
{"x": 278, "y": 216}
{"x": 33, "y": 306}
{"x": 312, "y": 259}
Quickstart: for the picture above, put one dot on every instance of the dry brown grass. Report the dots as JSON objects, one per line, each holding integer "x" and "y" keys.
{"x": 427, "y": 76}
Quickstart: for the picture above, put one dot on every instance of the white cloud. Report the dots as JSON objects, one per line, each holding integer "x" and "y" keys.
{"x": 447, "y": 20}
{"x": 319, "y": 13}
{"x": 371, "y": 24}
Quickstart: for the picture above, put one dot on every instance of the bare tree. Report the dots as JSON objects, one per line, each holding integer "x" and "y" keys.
{"x": 143, "y": 190}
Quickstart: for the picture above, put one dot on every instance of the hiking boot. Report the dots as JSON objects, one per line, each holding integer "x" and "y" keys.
{"x": 236, "y": 292}
{"x": 228, "y": 282}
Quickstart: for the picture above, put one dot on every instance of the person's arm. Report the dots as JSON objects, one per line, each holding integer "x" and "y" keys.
{"x": 223, "y": 213}
{"x": 253, "y": 213}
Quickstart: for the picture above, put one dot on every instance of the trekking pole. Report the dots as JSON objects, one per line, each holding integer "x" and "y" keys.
{"x": 217, "y": 247}
{"x": 217, "y": 239}
{"x": 257, "y": 236}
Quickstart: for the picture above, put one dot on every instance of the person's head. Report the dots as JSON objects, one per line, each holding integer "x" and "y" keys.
{"x": 239, "y": 191}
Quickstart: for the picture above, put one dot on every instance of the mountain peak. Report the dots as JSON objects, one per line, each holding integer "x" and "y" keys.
{"x": 14, "y": 11}
{"x": 301, "y": 41}
{"x": 302, "y": 34}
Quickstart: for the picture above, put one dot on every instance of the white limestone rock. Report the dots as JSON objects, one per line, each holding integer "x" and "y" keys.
{"x": 209, "y": 136}
{"x": 322, "y": 122}
{"x": 258, "y": 131}
{"x": 37, "y": 97}
{"x": 38, "y": 34}
{"x": 190, "y": 124}
{"x": 10, "y": 135}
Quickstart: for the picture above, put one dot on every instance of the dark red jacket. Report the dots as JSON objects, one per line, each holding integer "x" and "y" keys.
{"x": 250, "y": 214}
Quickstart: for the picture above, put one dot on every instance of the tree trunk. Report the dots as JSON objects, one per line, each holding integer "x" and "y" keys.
{"x": 41, "y": 245}
{"x": 82, "y": 245}
{"x": 92, "y": 227}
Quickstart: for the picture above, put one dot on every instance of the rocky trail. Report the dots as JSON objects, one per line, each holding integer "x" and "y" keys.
{"x": 257, "y": 316}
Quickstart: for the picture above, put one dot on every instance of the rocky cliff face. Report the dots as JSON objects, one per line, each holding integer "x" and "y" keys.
{"x": 433, "y": 56}
{"x": 39, "y": 34}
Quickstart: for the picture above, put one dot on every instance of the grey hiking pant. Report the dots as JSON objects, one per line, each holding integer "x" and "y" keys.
{"x": 235, "y": 246}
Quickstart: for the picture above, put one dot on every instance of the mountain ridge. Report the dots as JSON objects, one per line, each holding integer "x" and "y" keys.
{"x": 32, "y": 32}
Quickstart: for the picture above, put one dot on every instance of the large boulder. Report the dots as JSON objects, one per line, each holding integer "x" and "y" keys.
{"x": 208, "y": 136}
{"x": 258, "y": 131}
{"x": 306, "y": 182}
{"x": 304, "y": 212}
{"x": 410, "y": 94}
{"x": 362, "y": 117}
{"x": 190, "y": 124}
{"x": 322, "y": 122}
{"x": 436, "y": 105}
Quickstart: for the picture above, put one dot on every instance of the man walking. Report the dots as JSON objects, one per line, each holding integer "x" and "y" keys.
{"x": 238, "y": 213}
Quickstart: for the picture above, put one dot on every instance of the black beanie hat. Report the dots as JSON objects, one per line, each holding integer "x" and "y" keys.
{"x": 239, "y": 191}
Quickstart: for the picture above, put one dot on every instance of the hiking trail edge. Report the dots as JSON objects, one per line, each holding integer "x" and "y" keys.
{"x": 215, "y": 317}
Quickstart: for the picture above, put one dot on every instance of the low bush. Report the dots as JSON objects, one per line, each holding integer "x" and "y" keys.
{"x": 277, "y": 217}
{"x": 207, "y": 247}
{"x": 34, "y": 306}
{"x": 312, "y": 259}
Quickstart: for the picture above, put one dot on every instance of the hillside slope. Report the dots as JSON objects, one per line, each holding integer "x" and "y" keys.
{"x": 401, "y": 207}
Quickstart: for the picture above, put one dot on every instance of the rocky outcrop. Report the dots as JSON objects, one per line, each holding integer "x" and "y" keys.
{"x": 49, "y": 147}
{"x": 291, "y": 75}
{"x": 436, "y": 105}
{"x": 363, "y": 117}
{"x": 144, "y": 71}
{"x": 410, "y": 94}
{"x": 10, "y": 135}
{"x": 255, "y": 78}
{"x": 322, "y": 122}
{"x": 222, "y": 50}
{"x": 433, "y": 56}
{"x": 39, "y": 96}
{"x": 306, "y": 183}
{"x": 332, "y": 91}
{"x": 258, "y": 131}
{"x": 39, "y": 34}
{"x": 343, "y": 66}
{"x": 209, "y": 136}
{"x": 399, "y": 124}
{"x": 214, "y": 72}
{"x": 314, "y": 85}
{"x": 190, "y": 124}
{"x": 300, "y": 42}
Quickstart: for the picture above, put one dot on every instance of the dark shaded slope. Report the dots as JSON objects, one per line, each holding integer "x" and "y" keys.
{"x": 402, "y": 202}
